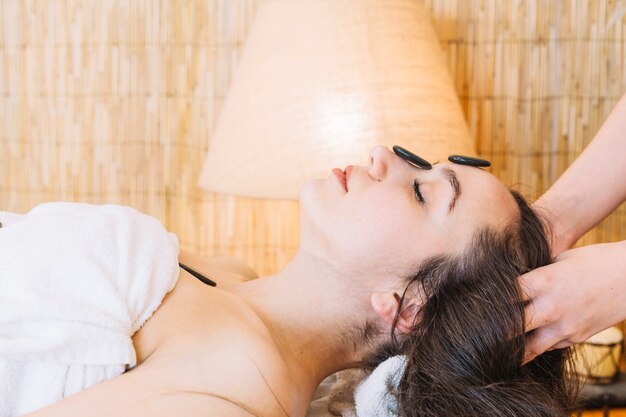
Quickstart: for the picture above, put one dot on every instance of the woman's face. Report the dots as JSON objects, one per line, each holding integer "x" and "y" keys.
{"x": 393, "y": 216}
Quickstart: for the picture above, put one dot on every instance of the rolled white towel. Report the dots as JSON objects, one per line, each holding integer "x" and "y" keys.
{"x": 77, "y": 281}
{"x": 373, "y": 397}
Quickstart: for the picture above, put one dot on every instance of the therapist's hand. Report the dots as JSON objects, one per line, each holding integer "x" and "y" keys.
{"x": 580, "y": 294}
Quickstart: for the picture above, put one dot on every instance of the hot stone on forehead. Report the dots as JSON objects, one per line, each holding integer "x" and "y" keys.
{"x": 468, "y": 160}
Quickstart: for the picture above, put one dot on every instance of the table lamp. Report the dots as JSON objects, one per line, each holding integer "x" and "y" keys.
{"x": 319, "y": 83}
{"x": 597, "y": 359}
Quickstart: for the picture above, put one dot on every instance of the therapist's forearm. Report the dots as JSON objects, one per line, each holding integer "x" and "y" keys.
{"x": 593, "y": 186}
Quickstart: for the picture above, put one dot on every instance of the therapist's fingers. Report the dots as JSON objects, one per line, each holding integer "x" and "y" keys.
{"x": 540, "y": 313}
{"x": 532, "y": 284}
{"x": 541, "y": 341}
{"x": 529, "y": 318}
{"x": 562, "y": 344}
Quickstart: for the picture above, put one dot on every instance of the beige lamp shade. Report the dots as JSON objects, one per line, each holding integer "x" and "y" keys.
{"x": 597, "y": 359}
{"x": 319, "y": 83}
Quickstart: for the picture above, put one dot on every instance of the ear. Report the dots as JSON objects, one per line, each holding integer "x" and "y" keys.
{"x": 386, "y": 304}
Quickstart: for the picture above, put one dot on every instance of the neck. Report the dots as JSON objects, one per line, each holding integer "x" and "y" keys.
{"x": 310, "y": 316}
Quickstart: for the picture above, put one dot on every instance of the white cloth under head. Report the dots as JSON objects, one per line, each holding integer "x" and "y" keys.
{"x": 373, "y": 397}
{"x": 77, "y": 281}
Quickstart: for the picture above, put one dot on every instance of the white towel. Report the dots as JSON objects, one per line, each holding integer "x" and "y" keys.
{"x": 373, "y": 397}
{"x": 76, "y": 282}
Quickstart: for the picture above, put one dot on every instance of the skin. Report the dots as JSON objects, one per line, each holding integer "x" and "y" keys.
{"x": 261, "y": 346}
{"x": 574, "y": 298}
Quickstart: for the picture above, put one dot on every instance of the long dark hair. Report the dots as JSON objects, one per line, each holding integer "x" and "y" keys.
{"x": 466, "y": 349}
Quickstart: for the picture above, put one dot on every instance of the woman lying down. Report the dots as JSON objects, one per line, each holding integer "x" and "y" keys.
{"x": 97, "y": 319}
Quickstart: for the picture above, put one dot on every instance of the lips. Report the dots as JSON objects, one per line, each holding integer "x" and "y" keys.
{"x": 341, "y": 176}
{"x": 348, "y": 170}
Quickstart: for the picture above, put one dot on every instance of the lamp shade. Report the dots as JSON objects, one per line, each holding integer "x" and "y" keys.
{"x": 319, "y": 83}
{"x": 597, "y": 359}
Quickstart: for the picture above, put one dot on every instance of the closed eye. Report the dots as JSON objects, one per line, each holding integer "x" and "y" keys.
{"x": 418, "y": 193}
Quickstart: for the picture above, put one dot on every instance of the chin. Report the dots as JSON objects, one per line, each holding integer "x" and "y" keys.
{"x": 311, "y": 203}
{"x": 310, "y": 192}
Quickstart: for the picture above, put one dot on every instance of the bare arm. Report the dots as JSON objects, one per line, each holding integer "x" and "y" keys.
{"x": 187, "y": 404}
{"x": 593, "y": 186}
{"x": 577, "y": 296}
{"x": 156, "y": 392}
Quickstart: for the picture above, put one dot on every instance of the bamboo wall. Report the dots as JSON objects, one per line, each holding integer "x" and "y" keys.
{"x": 115, "y": 101}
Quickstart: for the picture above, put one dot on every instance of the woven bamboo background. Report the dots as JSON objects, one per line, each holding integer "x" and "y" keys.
{"x": 115, "y": 101}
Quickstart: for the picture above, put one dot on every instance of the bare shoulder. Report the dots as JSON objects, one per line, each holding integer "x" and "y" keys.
{"x": 236, "y": 268}
{"x": 243, "y": 368}
{"x": 236, "y": 375}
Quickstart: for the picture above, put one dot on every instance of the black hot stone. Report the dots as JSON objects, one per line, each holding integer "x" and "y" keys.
{"x": 468, "y": 160}
{"x": 411, "y": 158}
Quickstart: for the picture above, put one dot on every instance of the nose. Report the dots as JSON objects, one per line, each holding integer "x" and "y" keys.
{"x": 380, "y": 160}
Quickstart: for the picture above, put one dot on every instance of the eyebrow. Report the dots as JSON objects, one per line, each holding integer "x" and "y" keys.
{"x": 455, "y": 184}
